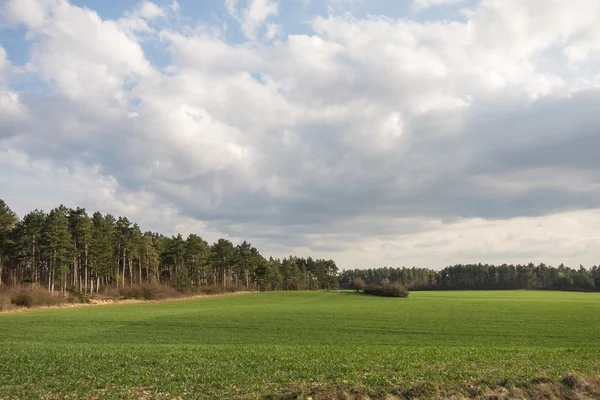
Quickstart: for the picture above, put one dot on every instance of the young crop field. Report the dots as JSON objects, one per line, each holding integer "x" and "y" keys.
{"x": 315, "y": 344}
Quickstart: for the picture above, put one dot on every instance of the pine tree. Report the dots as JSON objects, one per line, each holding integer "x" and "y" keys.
{"x": 81, "y": 231}
{"x": 150, "y": 256}
{"x": 58, "y": 246}
{"x": 8, "y": 220}
{"x": 223, "y": 259}
{"x": 101, "y": 257}
{"x": 197, "y": 259}
{"x": 27, "y": 242}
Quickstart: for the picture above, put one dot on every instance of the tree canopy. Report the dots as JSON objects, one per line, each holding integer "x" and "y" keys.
{"x": 71, "y": 250}
{"x": 67, "y": 249}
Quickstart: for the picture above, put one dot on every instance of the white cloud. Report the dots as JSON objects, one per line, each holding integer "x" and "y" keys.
{"x": 254, "y": 15}
{"x": 4, "y": 63}
{"x": 422, "y": 4}
{"x": 32, "y": 13}
{"x": 273, "y": 31}
{"x": 149, "y": 10}
{"x": 137, "y": 21}
{"x": 76, "y": 51}
{"x": 358, "y": 140}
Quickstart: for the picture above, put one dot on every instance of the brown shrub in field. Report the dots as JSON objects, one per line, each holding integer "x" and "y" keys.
{"x": 394, "y": 289}
{"x": 358, "y": 284}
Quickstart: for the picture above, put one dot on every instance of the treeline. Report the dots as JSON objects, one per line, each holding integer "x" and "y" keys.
{"x": 481, "y": 277}
{"x": 68, "y": 250}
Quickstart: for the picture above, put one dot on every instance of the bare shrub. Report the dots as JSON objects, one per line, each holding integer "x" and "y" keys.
{"x": 132, "y": 292}
{"x": 358, "y": 284}
{"x": 233, "y": 289}
{"x": 5, "y": 303}
{"x": 149, "y": 292}
{"x": 210, "y": 290}
{"x": 160, "y": 292}
{"x": 111, "y": 292}
{"x": 34, "y": 296}
{"x": 76, "y": 296}
{"x": 394, "y": 289}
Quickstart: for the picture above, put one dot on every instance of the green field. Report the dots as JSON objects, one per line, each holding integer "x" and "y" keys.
{"x": 250, "y": 345}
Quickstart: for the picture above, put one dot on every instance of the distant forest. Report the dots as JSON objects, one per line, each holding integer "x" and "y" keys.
{"x": 68, "y": 250}
{"x": 480, "y": 277}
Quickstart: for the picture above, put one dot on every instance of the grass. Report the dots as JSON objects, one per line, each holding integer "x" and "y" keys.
{"x": 259, "y": 344}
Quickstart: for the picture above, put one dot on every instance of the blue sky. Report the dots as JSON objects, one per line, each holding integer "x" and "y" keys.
{"x": 295, "y": 16}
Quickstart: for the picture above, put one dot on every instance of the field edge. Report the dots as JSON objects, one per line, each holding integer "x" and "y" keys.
{"x": 569, "y": 386}
{"x": 118, "y": 302}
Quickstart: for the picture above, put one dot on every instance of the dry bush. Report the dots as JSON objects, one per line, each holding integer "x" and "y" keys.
{"x": 394, "y": 289}
{"x": 233, "y": 289}
{"x": 159, "y": 292}
{"x": 5, "y": 302}
{"x": 132, "y": 292}
{"x": 149, "y": 292}
{"x": 34, "y": 296}
{"x": 358, "y": 284}
{"x": 76, "y": 296}
{"x": 218, "y": 289}
{"x": 210, "y": 290}
{"x": 110, "y": 292}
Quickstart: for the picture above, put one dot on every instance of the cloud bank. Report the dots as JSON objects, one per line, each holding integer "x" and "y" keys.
{"x": 372, "y": 140}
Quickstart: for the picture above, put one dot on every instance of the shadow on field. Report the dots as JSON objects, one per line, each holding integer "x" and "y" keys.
{"x": 569, "y": 387}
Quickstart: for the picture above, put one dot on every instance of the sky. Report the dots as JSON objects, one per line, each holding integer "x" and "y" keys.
{"x": 377, "y": 133}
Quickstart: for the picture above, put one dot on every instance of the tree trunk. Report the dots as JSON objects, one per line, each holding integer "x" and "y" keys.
{"x": 85, "y": 278}
{"x": 130, "y": 271}
{"x": 147, "y": 270}
{"x": 123, "y": 270}
{"x": 75, "y": 262}
{"x": 33, "y": 264}
{"x": 52, "y": 281}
